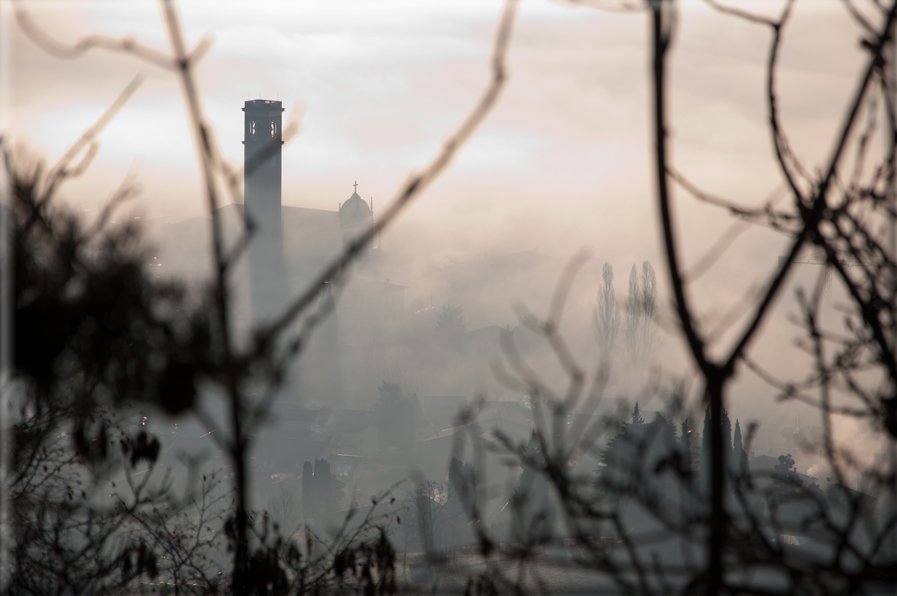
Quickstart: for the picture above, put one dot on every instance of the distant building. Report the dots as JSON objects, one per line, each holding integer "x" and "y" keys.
{"x": 262, "y": 173}
{"x": 355, "y": 216}
{"x": 290, "y": 246}
{"x": 370, "y": 335}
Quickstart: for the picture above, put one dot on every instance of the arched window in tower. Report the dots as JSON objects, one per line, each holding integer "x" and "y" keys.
{"x": 273, "y": 130}
{"x": 252, "y": 128}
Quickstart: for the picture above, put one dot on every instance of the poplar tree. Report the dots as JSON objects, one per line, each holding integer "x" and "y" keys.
{"x": 739, "y": 457}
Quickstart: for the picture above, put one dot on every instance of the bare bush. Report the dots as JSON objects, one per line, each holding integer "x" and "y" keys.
{"x": 163, "y": 348}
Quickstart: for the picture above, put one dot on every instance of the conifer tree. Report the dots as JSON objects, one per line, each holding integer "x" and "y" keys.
{"x": 685, "y": 442}
{"x": 605, "y": 318}
{"x": 637, "y": 419}
{"x": 640, "y": 312}
{"x": 323, "y": 485}
{"x": 727, "y": 436}
{"x": 705, "y": 443}
{"x": 705, "y": 433}
{"x": 739, "y": 457}
{"x": 633, "y": 316}
{"x": 308, "y": 480}
{"x": 705, "y": 450}
{"x": 450, "y": 327}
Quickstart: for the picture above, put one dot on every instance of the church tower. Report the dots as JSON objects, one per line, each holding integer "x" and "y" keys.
{"x": 355, "y": 217}
{"x": 262, "y": 171}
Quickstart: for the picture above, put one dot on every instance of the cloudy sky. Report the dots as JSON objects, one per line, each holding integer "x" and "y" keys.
{"x": 561, "y": 164}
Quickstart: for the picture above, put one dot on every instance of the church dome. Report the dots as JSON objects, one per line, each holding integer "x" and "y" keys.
{"x": 354, "y": 209}
{"x": 355, "y": 216}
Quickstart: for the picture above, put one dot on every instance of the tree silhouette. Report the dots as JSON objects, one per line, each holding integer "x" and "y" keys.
{"x": 637, "y": 419}
{"x": 450, "y": 326}
{"x": 171, "y": 349}
{"x": 723, "y": 533}
{"x": 739, "y": 457}
{"x": 605, "y": 318}
{"x": 641, "y": 309}
{"x": 397, "y": 414}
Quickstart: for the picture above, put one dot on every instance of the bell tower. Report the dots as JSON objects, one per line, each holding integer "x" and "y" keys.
{"x": 262, "y": 171}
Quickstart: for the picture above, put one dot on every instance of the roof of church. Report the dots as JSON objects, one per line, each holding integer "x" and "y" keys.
{"x": 354, "y": 207}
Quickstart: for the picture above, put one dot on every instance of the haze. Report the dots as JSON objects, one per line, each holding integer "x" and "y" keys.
{"x": 561, "y": 165}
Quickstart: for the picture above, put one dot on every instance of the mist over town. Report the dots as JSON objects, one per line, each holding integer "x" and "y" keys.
{"x": 475, "y": 297}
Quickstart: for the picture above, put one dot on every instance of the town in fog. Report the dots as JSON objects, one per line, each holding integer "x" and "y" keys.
{"x": 486, "y": 298}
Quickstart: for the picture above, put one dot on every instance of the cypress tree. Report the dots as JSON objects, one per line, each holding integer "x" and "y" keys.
{"x": 705, "y": 434}
{"x": 705, "y": 450}
{"x": 308, "y": 480}
{"x": 739, "y": 461}
{"x": 727, "y": 436}
{"x": 637, "y": 419}
{"x": 323, "y": 485}
{"x": 685, "y": 443}
{"x": 727, "y": 443}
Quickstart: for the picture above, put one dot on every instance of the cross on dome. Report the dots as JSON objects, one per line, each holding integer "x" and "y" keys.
{"x": 356, "y": 186}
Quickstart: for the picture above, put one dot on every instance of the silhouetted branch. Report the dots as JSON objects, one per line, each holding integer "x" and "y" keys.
{"x": 60, "y": 171}
{"x": 126, "y": 44}
{"x": 416, "y": 183}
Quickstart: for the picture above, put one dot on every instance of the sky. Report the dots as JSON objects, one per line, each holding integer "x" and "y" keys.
{"x": 561, "y": 164}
